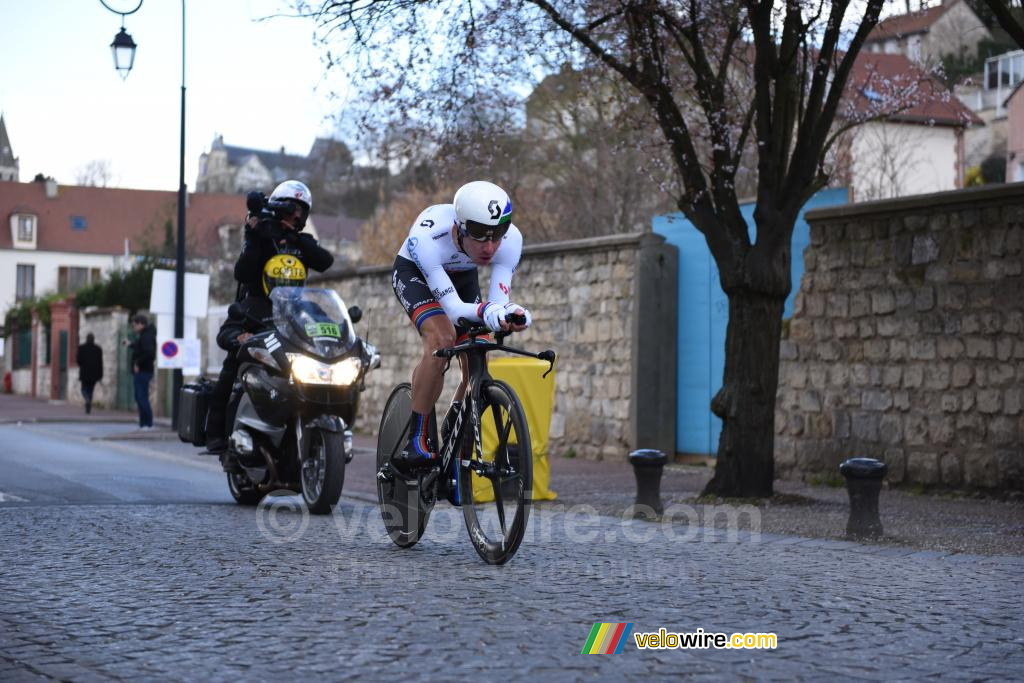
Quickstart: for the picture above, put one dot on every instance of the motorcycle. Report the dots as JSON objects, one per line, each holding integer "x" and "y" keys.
{"x": 295, "y": 399}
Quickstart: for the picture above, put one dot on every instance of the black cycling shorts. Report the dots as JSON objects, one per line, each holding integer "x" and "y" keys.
{"x": 416, "y": 298}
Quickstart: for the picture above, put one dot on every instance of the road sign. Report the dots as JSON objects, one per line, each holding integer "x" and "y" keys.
{"x": 179, "y": 354}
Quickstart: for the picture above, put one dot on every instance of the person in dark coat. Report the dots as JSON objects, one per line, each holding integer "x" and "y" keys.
{"x": 275, "y": 253}
{"x": 90, "y": 368}
{"x": 143, "y": 356}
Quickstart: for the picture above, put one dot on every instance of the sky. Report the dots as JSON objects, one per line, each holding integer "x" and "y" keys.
{"x": 259, "y": 84}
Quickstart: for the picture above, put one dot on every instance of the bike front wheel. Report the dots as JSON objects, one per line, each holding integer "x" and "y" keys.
{"x": 496, "y": 482}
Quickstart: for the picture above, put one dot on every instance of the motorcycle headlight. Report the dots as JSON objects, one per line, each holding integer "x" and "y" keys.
{"x": 309, "y": 371}
{"x": 346, "y": 372}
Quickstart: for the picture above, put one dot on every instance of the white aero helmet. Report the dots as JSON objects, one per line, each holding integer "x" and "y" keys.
{"x": 483, "y": 211}
{"x": 297, "y": 192}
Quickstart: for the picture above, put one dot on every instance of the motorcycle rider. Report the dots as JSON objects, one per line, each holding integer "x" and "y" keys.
{"x": 275, "y": 252}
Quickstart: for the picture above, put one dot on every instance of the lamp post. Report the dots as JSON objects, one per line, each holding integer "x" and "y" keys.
{"x": 123, "y": 48}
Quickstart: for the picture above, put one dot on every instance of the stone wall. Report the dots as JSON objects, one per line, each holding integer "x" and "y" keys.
{"x": 107, "y": 325}
{"x": 585, "y": 298}
{"x": 907, "y": 341}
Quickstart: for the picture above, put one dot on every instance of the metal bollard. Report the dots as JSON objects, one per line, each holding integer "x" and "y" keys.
{"x": 647, "y": 466}
{"x": 863, "y": 483}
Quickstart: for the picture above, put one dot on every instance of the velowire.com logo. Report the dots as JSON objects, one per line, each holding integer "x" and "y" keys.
{"x": 607, "y": 639}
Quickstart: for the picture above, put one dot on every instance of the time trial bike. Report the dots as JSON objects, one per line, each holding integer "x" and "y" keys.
{"x": 497, "y": 508}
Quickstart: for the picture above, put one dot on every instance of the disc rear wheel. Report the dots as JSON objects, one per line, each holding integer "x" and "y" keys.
{"x": 402, "y": 507}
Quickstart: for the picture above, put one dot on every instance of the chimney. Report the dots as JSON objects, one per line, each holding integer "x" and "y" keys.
{"x": 51, "y": 188}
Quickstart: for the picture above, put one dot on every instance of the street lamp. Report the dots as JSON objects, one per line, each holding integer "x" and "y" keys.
{"x": 124, "y": 57}
{"x": 123, "y": 48}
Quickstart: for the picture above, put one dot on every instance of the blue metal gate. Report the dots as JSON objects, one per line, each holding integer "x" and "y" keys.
{"x": 704, "y": 314}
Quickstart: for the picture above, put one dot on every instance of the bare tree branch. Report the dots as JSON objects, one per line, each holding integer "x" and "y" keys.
{"x": 1007, "y": 20}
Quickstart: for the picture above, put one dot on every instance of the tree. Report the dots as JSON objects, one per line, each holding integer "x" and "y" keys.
{"x": 1010, "y": 16}
{"x": 96, "y": 173}
{"x": 713, "y": 75}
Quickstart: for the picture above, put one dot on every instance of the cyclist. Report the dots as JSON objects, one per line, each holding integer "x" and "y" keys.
{"x": 436, "y": 280}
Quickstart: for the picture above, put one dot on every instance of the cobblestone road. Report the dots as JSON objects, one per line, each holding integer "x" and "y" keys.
{"x": 212, "y": 591}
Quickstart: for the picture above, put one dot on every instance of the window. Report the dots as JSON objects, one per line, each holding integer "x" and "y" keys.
{"x": 26, "y": 283}
{"x": 914, "y": 49}
{"x": 78, "y": 223}
{"x": 72, "y": 278}
{"x": 26, "y": 228}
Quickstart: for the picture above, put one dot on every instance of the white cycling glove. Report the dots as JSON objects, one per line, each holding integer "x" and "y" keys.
{"x": 493, "y": 315}
{"x": 512, "y": 308}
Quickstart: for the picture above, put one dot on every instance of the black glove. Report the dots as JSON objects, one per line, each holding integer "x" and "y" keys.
{"x": 291, "y": 237}
{"x": 260, "y": 230}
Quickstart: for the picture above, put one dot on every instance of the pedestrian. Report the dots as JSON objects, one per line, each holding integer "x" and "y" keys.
{"x": 143, "y": 355}
{"x": 90, "y": 368}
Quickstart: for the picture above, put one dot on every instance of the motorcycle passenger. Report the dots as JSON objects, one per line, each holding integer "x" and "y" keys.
{"x": 435, "y": 278}
{"x": 275, "y": 230}
{"x": 275, "y": 252}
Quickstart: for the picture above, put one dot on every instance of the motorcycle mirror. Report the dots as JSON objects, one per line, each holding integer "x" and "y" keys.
{"x": 355, "y": 313}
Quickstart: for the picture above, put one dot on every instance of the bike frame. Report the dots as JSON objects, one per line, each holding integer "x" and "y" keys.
{"x": 476, "y": 353}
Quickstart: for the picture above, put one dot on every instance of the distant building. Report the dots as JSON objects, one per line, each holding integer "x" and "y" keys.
{"x": 987, "y": 96}
{"x": 1015, "y": 139}
{"x": 925, "y": 36}
{"x": 8, "y": 162}
{"x": 328, "y": 169}
{"x": 232, "y": 169}
{"x": 339, "y": 235}
{"x": 916, "y": 150}
{"x": 60, "y": 239}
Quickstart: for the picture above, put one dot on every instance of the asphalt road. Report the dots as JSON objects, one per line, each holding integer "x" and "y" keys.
{"x": 126, "y": 559}
{"x": 62, "y": 464}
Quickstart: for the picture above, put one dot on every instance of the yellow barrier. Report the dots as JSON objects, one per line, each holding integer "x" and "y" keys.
{"x": 537, "y": 395}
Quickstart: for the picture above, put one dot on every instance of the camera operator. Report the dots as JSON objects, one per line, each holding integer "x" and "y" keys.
{"x": 274, "y": 227}
{"x": 275, "y": 253}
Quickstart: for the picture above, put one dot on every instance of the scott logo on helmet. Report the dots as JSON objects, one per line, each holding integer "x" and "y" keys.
{"x": 494, "y": 208}
{"x": 283, "y": 270}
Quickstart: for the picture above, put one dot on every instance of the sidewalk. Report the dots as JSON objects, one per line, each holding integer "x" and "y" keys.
{"x": 17, "y": 408}
{"x": 947, "y": 523}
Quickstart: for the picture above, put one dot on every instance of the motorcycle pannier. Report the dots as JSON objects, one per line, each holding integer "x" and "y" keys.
{"x": 192, "y": 406}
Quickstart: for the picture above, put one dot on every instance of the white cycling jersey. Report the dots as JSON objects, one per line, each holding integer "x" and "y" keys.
{"x": 431, "y": 247}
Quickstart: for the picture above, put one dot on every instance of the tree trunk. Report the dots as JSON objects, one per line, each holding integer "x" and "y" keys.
{"x": 746, "y": 402}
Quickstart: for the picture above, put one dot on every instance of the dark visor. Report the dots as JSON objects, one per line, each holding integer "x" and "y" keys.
{"x": 482, "y": 231}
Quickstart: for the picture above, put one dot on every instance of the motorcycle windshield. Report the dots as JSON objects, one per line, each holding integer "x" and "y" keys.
{"x": 315, "y": 320}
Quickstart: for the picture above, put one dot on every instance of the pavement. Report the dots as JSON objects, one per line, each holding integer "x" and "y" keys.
{"x": 947, "y": 522}
{"x": 145, "y": 583}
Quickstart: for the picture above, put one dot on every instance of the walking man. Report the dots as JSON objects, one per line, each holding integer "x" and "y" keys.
{"x": 90, "y": 368}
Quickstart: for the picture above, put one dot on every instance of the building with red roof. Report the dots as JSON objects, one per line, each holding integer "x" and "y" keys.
{"x": 926, "y": 35}
{"x": 61, "y": 238}
{"x": 911, "y": 139}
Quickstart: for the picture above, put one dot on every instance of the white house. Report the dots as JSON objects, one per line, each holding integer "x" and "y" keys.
{"x": 925, "y": 36}
{"x": 913, "y": 141}
{"x": 58, "y": 239}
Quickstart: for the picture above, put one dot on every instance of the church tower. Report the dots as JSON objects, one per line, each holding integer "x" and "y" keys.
{"x": 8, "y": 162}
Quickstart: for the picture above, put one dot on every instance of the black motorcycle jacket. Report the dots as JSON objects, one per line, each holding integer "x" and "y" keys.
{"x": 243, "y": 316}
{"x": 267, "y": 239}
